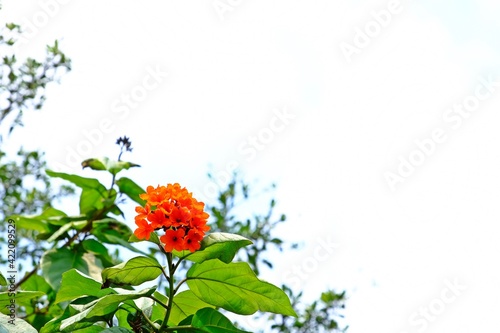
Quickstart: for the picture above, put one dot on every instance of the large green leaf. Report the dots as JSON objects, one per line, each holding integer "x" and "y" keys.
{"x": 236, "y": 288}
{"x": 93, "y": 192}
{"x": 20, "y": 297}
{"x": 217, "y": 245}
{"x": 104, "y": 306}
{"x": 82, "y": 182}
{"x": 131, "y": 189}
{"x": 75, "y": 284}
{"x": 53, "y": 324}
{"x": 88, "y": 326}
{"x": 61, "y": 232}
{"x": 91, "y": 200}
{"x": 68, "y": 219}
{"x": 158, "y": 311}
{"x": 99, "y": 250}
{"x": 109, "y": 303}
{"x": 18, "y": 326}
{"x": 211, "y": 321}
{"x": 185, "y": 304}
{"x": 39, "y": 222}
{"x": 111, "y": 231}
{"x": 3, "y": 281}
{"x": 56, "y": 262}
{"x": 108, "y": 229}
{"x": 118, "y": 240}
{"x": 90, "y": 329}
{"x": 121, "y": 316}
{"x": 37, "y": 283}
{"x": 117, "y": 330}
{"x": 104, "y": 163}
{"x": 133, "y": 272}
{"x": 31, "y": 223}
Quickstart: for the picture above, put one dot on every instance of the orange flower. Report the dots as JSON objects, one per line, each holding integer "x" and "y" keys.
{"x": 192, "y": 240}
{"x": 154, "y": 196}
{"x": 142, "y": 212}
{"x": 144, "y": 229}
{"x": 173, "y": 239}
{"x": 158, "y": 219}
{"x": 199, "y": 225}
{"x": 181, "y": 216}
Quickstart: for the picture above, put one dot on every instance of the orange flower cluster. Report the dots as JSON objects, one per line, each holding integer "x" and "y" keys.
{"x": 174, "y": 210}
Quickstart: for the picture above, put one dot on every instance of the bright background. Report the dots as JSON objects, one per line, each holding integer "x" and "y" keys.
{"x": 228, "y": 73}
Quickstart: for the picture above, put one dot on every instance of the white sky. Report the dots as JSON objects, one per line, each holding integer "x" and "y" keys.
{"x": 352, "y": 122}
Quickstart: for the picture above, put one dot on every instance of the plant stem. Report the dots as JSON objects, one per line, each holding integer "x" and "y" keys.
{"x": 150, "y": 323}
{"x": 158, "y": 301}
{"x": 179, "y": 284}
{"x": 171, "y": 291}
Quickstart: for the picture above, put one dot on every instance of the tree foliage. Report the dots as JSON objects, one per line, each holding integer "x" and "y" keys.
{"x": 78, "y": 285}
{"x": 24, "y": 186}
{"x": 23, "y": 83}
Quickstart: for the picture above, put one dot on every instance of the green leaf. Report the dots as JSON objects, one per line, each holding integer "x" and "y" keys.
{"x": 89, "y": 329}
{"x": 39, "y": 222}
{"x": 131, "y": 189}
{"x": 158, "y": 311}
{"x": 19, "y": 326}
{"x": 99, "y": 250}
{"x": 30, "y": 223}
{"x": 56, "y": 262}
{"x": 109, "y": 303}
{"x": 19, "y": 297}
{"x": 111, "y": 231}
{"x": 108, "y": 229}
{"x": 64, "y": 228}
{"x": 75, "y": 284}
{"x": 117, "y": 330}
{"x": 11, "y": 26}
{"x": 185, "y": 304}
{"x": 122, "y": 317}
{"x": 67, "y": 219}
{"x": 36, "y": 283}
{"x": 133, "y": 272}
{"x": 93, "y": 192}
{"x": 90, "y": 200}
{"x": 211, "y": 321}
{"x": 218, "y": 245}
{"x": 236, "y": 288}
{"x": 118, "y": 240}
{"x": 94, "y": 164}
{"x": 54, "y": 324}
{"x": 104, "y": 163}
{"x": 104, "y": 306}
{"x": 3, "y": 281}
{"x": 82, "y": 182}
